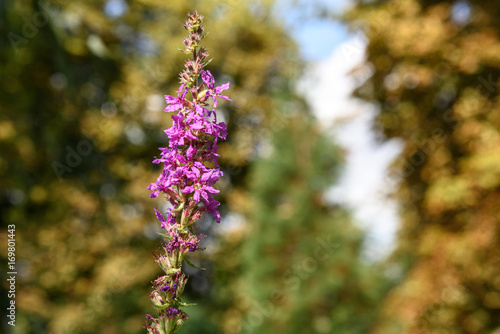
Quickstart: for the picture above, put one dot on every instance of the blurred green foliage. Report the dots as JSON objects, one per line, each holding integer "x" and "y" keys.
{"x": 298, "y": 258}
{"x": 81, "y": 101}
{"x": 436, "y": 71}
{"x": 300, "y": 266}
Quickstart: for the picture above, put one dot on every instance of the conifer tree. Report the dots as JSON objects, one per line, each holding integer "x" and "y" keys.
{"x": 298, "y": 258}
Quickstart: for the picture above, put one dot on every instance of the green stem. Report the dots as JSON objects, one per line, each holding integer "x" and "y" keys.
{"x": 180, "y": 207}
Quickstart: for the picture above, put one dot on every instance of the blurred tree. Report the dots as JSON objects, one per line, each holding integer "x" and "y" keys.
{"x": 297, "y": 258}
{"x": 81, "y": 116}
{"x": 436, "y": 68}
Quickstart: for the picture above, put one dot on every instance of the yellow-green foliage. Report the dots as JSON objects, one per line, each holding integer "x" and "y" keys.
{"x": 436, "y": 80}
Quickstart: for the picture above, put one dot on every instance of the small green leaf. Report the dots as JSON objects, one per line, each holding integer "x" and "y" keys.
{"x": 165, "y": 236}
{"x": 182, "y": 304}
{"x": 189, "y": 263}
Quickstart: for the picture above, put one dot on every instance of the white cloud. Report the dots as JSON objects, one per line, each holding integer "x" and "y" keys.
{"x": 363, "y": 186}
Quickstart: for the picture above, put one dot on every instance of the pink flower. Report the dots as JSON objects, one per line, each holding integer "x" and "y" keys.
{"x": 213, "y": 91}
{"x": 176, "y": 103}
{"x": 201, "y": 186}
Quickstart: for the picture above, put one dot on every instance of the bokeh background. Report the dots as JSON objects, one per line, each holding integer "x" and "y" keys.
{"x": 362, "y": 168}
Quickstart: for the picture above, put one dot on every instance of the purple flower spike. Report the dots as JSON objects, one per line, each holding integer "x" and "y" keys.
{"x": 190, "y": 171}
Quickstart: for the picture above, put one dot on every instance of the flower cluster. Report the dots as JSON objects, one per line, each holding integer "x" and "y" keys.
{"x": 190, "y": 170}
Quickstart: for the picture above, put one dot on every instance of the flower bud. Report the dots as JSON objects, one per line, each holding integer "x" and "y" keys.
{"x": 156, "y": 299}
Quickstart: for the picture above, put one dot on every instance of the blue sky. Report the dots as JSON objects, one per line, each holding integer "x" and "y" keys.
{"x": 317, "y": 37}
{"x": 327, "y": 86}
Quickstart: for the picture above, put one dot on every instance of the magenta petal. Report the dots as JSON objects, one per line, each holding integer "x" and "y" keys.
{"x": 200, "y": 166}
{"x": 170, "y": 108}
{"x": 191, "y": 151}
{"x": 200, "y": 110}
{"x": 180, "y": 92}
{"x": 212, "y": 190}
{"x": 204, "y": 194}
{"x": 183, "y": 93}
{"x": 196, "y": 172}
{"x": 204, "y": 178}
{"x": 207, "y": 78}
{"x": 196, "y": 196}
{"x": 196, "y": 126}
{"x": 219, "y": 89}
{"x": 181, "y": 159}
{"x": 159, "y": 216}
{"x": 171, "y": 99}
{"x": 188, "y": 189}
